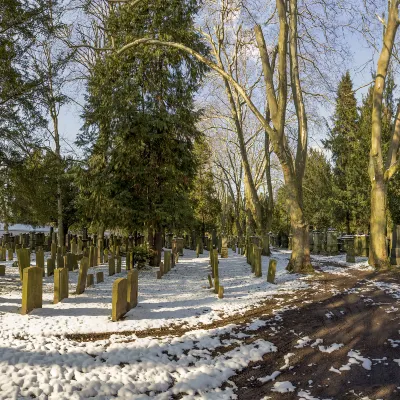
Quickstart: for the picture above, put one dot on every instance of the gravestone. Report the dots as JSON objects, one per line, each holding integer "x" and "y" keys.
{"x": 119, "y": 298}
{"x": 32, "y": 289}
{"x": 257, "y": 261}
{"x": 224, "y": 247}
{"x": 216, "y": 271}
{"x": 167, "y": 260}
{"x": 10, "y": 254}
{"x": 60, "y": 284}
{"x": 132, "y": 288}
{"x": 50, "y": 267}
{"x": 82, "y": 275}
{"x": 271, "y": 271}
{"x": 53, "y": 250}
{"x": 221, "y": 292}
{"x": 179, "y": 246}
{"x": 111, "y": 266}
{"x": 350, "y": 254}
{"x": 40, "y": 259}
{"x": 23, "y": 257}
{"x": 2, "y": 270}
{"x": 395, "y": 251}
{"x": 99, "y": 277}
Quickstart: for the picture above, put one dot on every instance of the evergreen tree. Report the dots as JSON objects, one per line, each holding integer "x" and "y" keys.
{"x": 318, "y": 190}
{"x": 140, "y": 131}
{"x": 342, "y": 142}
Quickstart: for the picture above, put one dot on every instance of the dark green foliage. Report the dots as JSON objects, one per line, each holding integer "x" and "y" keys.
{"x": 318, "y": 191}
{"x": 206, "y": 204}
{"x": 349, "y": 146}
{"x": 139, "y": 131}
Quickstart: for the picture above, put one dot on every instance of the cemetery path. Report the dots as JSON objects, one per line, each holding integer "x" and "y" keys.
{"x": 341, "y": 346}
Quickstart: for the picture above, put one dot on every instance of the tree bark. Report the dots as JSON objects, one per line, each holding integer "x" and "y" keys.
{"x": 377, "y": 170}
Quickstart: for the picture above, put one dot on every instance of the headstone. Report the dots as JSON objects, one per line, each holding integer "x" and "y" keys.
{"x": 271, "y": 271}
{"x": 167, "y": 260}
{"x": 331, "y": 242}
{"x": 23, "y": 257}
{"x": 179, "y": 246}
{"x": 111, "y": 266}
{"x": 224, "y": 247}
{"x": 32, "y": 289}
{"x": 132, "y": 288}
{"x": 2, "y": 270}
{"x": 159, "y": 274}
{"x": 119, "y": 264}
{"x": 68, "y": 262}
{"x": 216, "y": 272}
{"x": 40, "y": 259}
{"x": 119, "y": 299}
{"x": 221, "y": 292}
{"x": 53, "y": 250}
{"x": 99, "y": 277}
{"x": 89, "y": 280}
{"x": 350, "y": 255}
{"x": 50, "y": 266}
{"x": 82, "y": 275}
{"x": 257, "y": 261}
{"x": 60, "y": 284}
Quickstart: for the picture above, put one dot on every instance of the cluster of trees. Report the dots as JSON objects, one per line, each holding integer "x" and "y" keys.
{"x": 145, "y": 166}
{"x": 197, "y": 116}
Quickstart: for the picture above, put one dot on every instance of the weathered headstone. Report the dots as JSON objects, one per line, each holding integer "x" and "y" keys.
{"x": 216, "y": 271}
{"x": 82, "y": 275}
{"x": 32, "y": 289}
{"x": 99, "y": 277}
{"x": 68, "y": 262}
{"x": 271, "y": 271}
{"x": 257, "y": 261}
{"x": 119, "y": 264}
{"x": 167, "y": 260}
{"x": 224, "y": 247}
{"x": 220, "y": 292}
{"x": 132, "y": 288}
{"x": 23, "y": 257}
{"x": 111, "y": 266}
{"x": 53, "y": 250}
{"x": 179, "y": 246}
{"x": 40, "y": 259}
{"x": 350, "y": 255}
{"x": 50, "y": 266}
{"x": 119, "y": 299}
{"x": 2, "y": 270}
{"x": 60, "y": 284}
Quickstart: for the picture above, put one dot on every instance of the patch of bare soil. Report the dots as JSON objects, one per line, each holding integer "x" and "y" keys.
{"x": 362, "y": 318}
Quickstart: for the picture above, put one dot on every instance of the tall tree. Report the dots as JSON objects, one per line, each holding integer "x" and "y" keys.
{"x": 140, "y": 124}
{"x": 343, "y": 143}
{"x": 380, "y": 172}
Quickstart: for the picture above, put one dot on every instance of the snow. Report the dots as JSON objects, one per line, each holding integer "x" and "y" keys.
{"x": 305, "y": 395}
{"x": 283, "y": 387}
{"x": 331, "y": 348}
{"x": 270, "y": 377}
{"x": 181, "y": 298}
{"x": 38, "y": 360}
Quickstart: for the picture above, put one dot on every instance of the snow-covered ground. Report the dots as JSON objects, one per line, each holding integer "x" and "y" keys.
{"x": 180, "y": 298}
{"x": 36, "y": 359}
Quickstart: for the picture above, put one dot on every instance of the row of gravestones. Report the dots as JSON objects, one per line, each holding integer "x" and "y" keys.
{"x": 253, "y": 257}
{"x": 170, "y": 259}
{"x": 32, "y": 286}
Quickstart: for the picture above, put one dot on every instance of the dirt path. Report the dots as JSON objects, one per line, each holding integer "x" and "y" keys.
{"x": 362, "y": 319}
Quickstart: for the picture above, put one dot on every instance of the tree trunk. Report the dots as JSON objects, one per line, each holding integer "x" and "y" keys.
{"x": 378, "y": 251}
{"x": 377, "y": 171}
{"x": 300, "y": 261}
